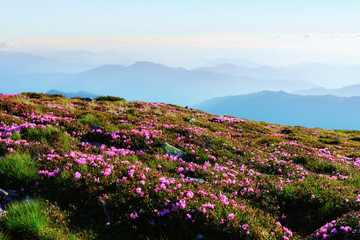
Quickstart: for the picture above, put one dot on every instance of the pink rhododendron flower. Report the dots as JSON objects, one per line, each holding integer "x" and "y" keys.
{"x": 77, "y": 175}
{"x": 231, "y": 216}
{"x": 190, "y": 194}
{"x": 134, "y": 215}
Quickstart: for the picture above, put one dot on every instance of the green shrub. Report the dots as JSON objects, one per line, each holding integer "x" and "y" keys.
{"x": 42, "y": 95}
{"x": 109, "y": 98}
{"x": 34, "y": 95}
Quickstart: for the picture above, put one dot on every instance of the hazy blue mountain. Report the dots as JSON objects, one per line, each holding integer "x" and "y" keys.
{"x": 261, "y": 72}
{"x": 219, "y": 61}
{"x": 81, "y": 94}
{"x": 149, "y": 82}
{"x": 348, "y": 91}
{"x": 22, "y": 63}
{"x": 325, "y": 111}
{"x": 329, "y": 75}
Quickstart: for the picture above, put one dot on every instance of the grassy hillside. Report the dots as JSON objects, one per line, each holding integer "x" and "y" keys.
{"x": 112, "y": 169}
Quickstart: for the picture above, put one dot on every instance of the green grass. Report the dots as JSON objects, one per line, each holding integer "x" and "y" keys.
{"x": 16, "y": 135}
{"x": 91, "y": 120}
{"x": 19, "y": 166}
{"x": 3, "y": 236}
{"x": 42, "y": 135}
{"x": 49, "y": 136}
{"x": 32, "y": 220}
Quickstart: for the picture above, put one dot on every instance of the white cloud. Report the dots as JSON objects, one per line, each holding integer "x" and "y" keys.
{"x": 34, "y": 43}
{"x": 327, "y": 43}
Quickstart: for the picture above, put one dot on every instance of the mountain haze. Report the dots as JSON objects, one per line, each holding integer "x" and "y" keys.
{"x": 148, "y": 81}
{"x": 24, "y": 63}
{"x": 325, "y": 111}
{"x": 348, "y": 91}
{"x": 262, "y": 72}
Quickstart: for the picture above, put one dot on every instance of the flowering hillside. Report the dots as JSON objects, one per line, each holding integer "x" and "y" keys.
{"x": 112, "y": 169}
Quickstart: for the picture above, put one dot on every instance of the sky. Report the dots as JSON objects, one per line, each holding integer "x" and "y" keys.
{"x": 317, "y": 26}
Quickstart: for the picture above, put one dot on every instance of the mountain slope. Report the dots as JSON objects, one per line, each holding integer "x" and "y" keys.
{"x": 112, "y": 169}
{"x": 279, "y": 107}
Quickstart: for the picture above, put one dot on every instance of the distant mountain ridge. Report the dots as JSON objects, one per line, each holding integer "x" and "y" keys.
{"x": 13, "y": 63}
{"x": 325, "y": 111}
{"x": 81, "y": 94}
{"x": 261, "y": 72}
{"x": 219, "y": 61}
{"x": 148, "y": 81}
{"x": 348, "y": 91}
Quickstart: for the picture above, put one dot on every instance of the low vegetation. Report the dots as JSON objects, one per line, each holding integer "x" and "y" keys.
{"x": 112, "y": 169}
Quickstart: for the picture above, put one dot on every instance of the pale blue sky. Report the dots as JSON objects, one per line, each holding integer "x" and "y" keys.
{"x": 326, "y": 26}
{"x": 45, "y": 19}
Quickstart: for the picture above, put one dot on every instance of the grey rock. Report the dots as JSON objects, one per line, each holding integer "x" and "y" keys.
{"x": 2, "y": 211}
{"x": 95, "y": 144}
{"x": 192, "y": 120}
{"x": 8, "y": 199}
{"x": 142, "y": 150}
{"x": 120, "y": 112}
{"x": 13, "y": 193}
{"x": 198, "y": 180}
{"x": 200, "y": 237}
{"x": 95, "y": 127}
{"x": 172, "y": 151}
{"x": 27, "y": 199}
{"x": 3, "y": 194}
{"x": 102, "y": 204}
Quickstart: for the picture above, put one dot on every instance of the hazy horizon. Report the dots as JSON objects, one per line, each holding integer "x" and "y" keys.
{"x": 179, "y": 33}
